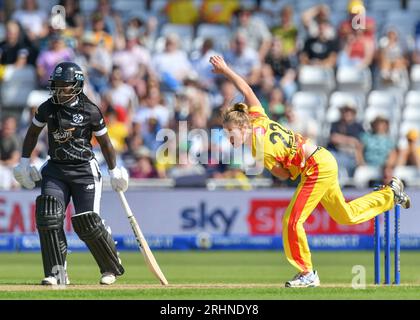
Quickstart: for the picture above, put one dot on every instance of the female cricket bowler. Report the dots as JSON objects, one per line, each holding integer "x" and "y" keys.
{"x": 71, "y": 172}
{"x": 288, "y": 155}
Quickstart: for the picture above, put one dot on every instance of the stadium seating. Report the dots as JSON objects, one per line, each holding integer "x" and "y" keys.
{"x": 409, "y": 174}
{"x": 353, "y": 79}
{"x": 415, "y": 76}
{"x": 218, "y": 33}
{"x": 366, "y": 174}
{"x": 315, "y": 78}
{"x": 184, "y": 32}
{"x": 412, "y": 98}
{"x": 310, "y": 104}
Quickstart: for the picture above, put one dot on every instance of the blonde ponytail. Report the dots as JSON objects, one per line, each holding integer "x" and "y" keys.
{"x": 237, "y": 114}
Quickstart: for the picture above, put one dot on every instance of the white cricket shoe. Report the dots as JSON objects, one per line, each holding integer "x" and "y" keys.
{"x": 301, "y": 280}
{"x": 108, "y": 278}
{"x": 52, "y": 281}
{"x": 400, "y": 197}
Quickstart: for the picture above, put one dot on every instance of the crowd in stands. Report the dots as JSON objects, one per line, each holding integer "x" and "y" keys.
{"x": 146, "y": 67}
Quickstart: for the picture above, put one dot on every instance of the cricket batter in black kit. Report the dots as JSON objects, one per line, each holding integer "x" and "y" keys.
{"x": 71, "y": 172}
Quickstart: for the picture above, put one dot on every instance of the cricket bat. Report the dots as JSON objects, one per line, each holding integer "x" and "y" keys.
{"x": 144, "y": 247}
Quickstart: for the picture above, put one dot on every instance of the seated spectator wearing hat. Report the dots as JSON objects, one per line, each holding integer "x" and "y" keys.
{"x": 320, "y": 50}
{"x": 379, "y": 150}
{"x": 410, "y": 154}
{"x": 345, "y": 141}
{"x": 47, "y": 60}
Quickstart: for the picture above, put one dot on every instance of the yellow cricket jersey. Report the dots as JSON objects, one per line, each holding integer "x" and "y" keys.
{"x": 277, "y": 144}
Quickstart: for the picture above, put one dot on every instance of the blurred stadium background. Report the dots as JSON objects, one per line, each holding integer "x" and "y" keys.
{"x": 346, "y": 74}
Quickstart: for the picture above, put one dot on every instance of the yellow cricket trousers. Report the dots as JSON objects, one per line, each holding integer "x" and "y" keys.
{"x": 319, "y": 183}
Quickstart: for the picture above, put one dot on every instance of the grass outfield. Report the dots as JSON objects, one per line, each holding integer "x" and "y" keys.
{"x": 208, "y": 275}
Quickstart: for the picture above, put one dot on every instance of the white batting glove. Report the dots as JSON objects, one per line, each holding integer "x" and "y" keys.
{"x": 26, "y": 174}
{"x": 119, "y": 179}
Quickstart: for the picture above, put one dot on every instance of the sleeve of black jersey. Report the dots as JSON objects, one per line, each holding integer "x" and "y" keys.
{"x": 40, "y": 118}
{"x": 98, "y": 122}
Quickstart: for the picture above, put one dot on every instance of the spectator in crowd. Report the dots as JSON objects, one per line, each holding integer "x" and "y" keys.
{"x": 265, "y": 86}
{"x": 117, "y": 130}
{"x": 110, "y": 19}
{"x": 357, "y": 16}
{"x": 74, "y": 20}
{"x": 172, "y": 65}
{"x": 410, "y": 154}
{"x": 198, "y": 97}
{"x": 416, "y": 51}
{"x": 182, "y": 12}
{"x": 132, "y": 59}
{"x": 276, "y": 104}
{"x": 95, "y": 61}
{"x": 14, "y": 42}
{"x": 10, "y": 145}
{"x": 378, "y": 148}
{"x": 218, "y": 11}
{"x": 152, "y": 109}
{"x": 286, "y": 31}
{"x": 226, "y": 96}
{"x": 358, "y": 51}
{"x": 187, "y": 170}
{"x": 244, "y": 59}
{"x": 306, "y": 126}
{"x": 320, "y": 50}
{"x": 146, "y": 30}
{"x": 200, "y": 62}
{"x": 345, "y": 141}
{"x": 47, "y": 60}
{"x": 283, "y": 67}
{"x": 18, "y": 80}
{"x": 143, "y": 167}
{"x": 31, "y": 19}
{"x": 255, "y": 30}
{"x": 101, "y": 36}
{"x": 312, "y": 19}
{"x": 121, "y": 94}
{"x": 393, "y": 63}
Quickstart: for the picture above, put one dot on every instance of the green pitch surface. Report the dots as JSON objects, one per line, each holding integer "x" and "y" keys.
{"x": 208, "y": 275}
